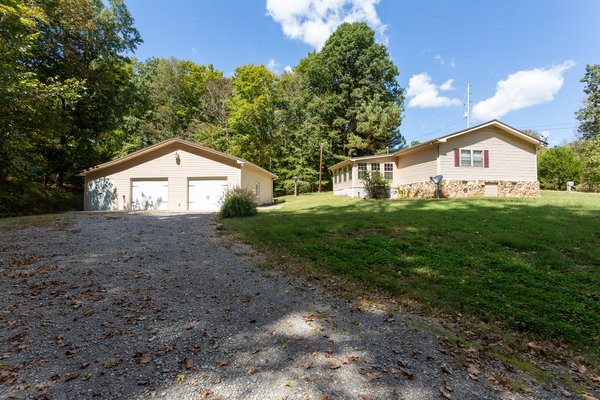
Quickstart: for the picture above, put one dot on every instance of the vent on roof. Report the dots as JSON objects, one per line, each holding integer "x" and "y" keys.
{"x": 437, "y": 181}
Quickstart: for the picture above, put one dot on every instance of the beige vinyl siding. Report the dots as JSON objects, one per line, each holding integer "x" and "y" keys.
{"x": 161, "y": 163}
{"x": 417, "y": 166}
{"x": 510, "y": 159}
{"x": 252, "y": 175}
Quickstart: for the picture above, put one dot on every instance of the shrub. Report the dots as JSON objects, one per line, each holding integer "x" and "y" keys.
{"x": 556, "y": 166}
{"x": 238, "y": 202}
{"x": 376, "y": 186}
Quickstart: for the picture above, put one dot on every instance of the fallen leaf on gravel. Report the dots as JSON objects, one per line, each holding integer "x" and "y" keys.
{"x": 445, "y": 369}
{"x": 333, "y": 365}
{"x": 252, "y": 370}
{"x": 71, "y": 352}
{"x": 324, "y": 397}
{"x": 288, "y": 383}
{"x": 473, "y": 370}
{"x": 143, "y": 382}
{"x": 344, "y": 359}
{"x": 188, "y": 364}
{"x": 88, "y": 312}
{"x": 222, "y": 362}
{"x": 534, "y": 346}
{"x": 365, "y": 397}
{"x": 596, "y": 378}
{"x": 194, "y": 349}
{"x": 586, "y": 396}
{"x": 582, "y": 369}
{"x": 84, "y": 365}
{"x": 217, "y": 380}
{"x": 474, "y": 377}
{"x": 144, "y": 359}
{"x": 180, "y": 378}
{"x": 86, "y": 377}
{"x": 55, "y": 377}
{"x": 307, "y": 364}
{"x": 113, "y": 363}
{"x": 445, "y": 393}
{"x": 205, "y": 393}
{"x": 407, "y": 373}
{"x": 70, "y": 376}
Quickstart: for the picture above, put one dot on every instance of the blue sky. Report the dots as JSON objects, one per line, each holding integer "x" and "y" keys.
{"x": 524, "y": 59}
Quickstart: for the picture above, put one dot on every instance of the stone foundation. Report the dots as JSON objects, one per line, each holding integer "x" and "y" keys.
{"x": 469, "y": 188}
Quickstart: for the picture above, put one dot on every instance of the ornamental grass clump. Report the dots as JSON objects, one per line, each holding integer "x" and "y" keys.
{"x": 238, "y": 202}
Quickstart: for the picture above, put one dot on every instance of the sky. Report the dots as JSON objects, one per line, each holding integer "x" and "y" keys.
{"x": 523, "y": 59}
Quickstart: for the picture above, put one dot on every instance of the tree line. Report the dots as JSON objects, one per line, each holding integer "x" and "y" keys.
{"x": 73, "y": 95}
{"x": 578, "y": 161}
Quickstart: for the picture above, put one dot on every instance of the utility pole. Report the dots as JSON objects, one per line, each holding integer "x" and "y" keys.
{"x": 321, "y": 168}
{"x": 468, "y": 112}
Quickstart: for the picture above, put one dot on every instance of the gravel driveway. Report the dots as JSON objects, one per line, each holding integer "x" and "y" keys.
{"x": 144, "y": 306}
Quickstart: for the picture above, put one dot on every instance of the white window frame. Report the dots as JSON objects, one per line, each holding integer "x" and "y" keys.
{"x": 378, "y": 169}
{"x": 471, "y": 160}
{"x": 388, "y": 170}
{"x": 257, "y": 188}
{"x": 362, "y": 170}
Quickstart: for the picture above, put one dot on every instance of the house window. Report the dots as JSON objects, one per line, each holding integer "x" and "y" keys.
{"x": 477, "y": 158}
{"x": 375, "y": 169}
{"x": 257, "y": 189}
{"x": 471, "y": 158}
{"x": 465, "y": 158}
{"x": 388, "y": 171}
{"x": 345, "y": 175}
{"x": 350, "y": 173}
{"x": 362, "y": 170}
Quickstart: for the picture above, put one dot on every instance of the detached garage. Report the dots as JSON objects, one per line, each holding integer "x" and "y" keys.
{"x": 174, "y": 175}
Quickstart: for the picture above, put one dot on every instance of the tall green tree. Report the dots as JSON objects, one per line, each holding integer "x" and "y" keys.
{"x": 252, "y": 114}
{"x": 84, "y": 42}
{"x": 589, "y": 114}
{"x": 357, "y": 97}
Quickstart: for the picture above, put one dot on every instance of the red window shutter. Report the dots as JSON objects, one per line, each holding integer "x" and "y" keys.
{"x": 456, "y": 157}
{"x": 486, "y": 159}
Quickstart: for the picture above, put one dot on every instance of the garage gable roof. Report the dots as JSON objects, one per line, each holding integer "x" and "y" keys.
{"x": 169, "y": 142}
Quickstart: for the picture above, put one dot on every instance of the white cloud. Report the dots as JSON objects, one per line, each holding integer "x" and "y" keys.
{"x": 312, "y": 21}
{"x": 425, "y": 94}
{"x": 273, "y": 64}
{"x": 288, "y": 69}
{"x": 523, "y": 89}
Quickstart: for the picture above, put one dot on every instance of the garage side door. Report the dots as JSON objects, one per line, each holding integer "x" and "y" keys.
{"x": 205, "y": 194}
{"x": 149, "y": 194}
{"x": 100, "y": 194}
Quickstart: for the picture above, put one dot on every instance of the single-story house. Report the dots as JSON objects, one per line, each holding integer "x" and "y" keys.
{"x": 173, "y": 175}
{"x": 491, "y": 159}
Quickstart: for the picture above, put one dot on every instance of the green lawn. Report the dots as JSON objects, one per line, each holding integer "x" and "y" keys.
{"x": 530, "y": 266}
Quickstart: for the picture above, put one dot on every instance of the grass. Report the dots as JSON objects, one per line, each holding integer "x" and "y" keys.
{"x": 524, "y": 266}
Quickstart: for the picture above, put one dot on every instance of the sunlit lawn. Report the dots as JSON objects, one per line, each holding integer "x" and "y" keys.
{"x": 530, "y": 266}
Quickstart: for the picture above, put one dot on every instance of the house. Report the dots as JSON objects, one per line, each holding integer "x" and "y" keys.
{"x": 173, "y": 175}
{"x": 491, "y": 159}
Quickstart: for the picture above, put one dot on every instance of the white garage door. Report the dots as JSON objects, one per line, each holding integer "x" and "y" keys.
{"x": 205, "y": 194}
{"x": 150, "y": 194}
